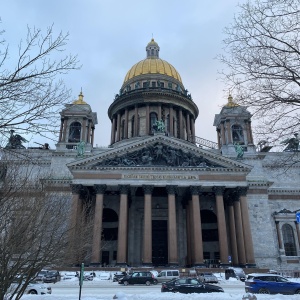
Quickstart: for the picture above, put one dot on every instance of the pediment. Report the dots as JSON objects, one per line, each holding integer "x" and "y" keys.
{"x": 159, "y": 152}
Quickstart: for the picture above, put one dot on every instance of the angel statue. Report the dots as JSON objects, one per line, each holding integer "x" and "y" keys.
{"x": 159, "y": 126}
{"x": 292, "y": 144}
{"x": 80, "y": 149}
{"x": 15, "y": 141}
{"x": 239, "y": 150}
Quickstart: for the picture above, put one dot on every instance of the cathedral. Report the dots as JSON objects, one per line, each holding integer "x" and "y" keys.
{"x": 160, "y": 195}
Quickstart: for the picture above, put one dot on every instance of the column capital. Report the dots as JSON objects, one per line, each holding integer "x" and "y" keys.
{"x": 242, "y": 191}
{"x": 100, "y": 188}
{"x": 148, "y": 189}
{"x": 171, "y": 189}
{"x": 195, "y": 190}
{"x": 218, "y": 190}
{"x": 124, "y": 188}
{"x": 76, "y": 188}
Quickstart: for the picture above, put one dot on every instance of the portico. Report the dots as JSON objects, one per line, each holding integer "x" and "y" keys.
{"x": 154, "y": 201}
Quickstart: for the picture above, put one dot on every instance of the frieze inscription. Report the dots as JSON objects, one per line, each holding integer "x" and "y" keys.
{"x": 159, "y": 177}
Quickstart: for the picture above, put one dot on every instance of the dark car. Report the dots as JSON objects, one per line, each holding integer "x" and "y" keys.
{"x": 237, "y": 273}
{"x": 138, "y": 278}
{"x": 208, "y": 278}
{"x": 188, "y": 286}
{"x": 52, "y": 277}
{"x": 118, "y": 276}
{"x": 41, "y": 275}
{"x": 264, "y": 283}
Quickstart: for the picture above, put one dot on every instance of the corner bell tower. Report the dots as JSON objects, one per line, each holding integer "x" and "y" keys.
{"x": 233, "y": 126}
{"x": 77, "y": 124}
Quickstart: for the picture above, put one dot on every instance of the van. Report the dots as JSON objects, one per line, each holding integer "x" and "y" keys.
{"x": 237, "y": 273}
{"x": 166, "y": 275}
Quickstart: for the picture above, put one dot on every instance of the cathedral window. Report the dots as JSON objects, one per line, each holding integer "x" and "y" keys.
{"x": 132, "y": 126}
{"x": 289, "y": 240}
{"x": 123, "y": 130}
{"x": 237, "y": 134}
{"x": 74, "y": 132}
{"x": 167, "y": 124}
{"x": 153, "y": 119}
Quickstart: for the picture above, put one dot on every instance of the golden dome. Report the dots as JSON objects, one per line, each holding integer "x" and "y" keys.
{"x": 152, "y": 66}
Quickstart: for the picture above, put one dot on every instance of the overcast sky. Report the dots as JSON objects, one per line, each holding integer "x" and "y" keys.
{"x": 110, "y": 36}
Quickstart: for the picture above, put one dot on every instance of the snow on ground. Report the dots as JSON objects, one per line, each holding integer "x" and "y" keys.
{"x": 99, "y": 295}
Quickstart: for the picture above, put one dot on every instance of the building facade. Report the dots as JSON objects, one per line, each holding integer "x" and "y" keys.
{"x": 161, "y": 196}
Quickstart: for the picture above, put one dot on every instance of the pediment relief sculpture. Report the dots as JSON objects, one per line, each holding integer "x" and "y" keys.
{"x": 159, "y": 155}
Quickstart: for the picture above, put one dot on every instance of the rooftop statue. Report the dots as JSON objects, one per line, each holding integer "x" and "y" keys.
{"x": 15, "y": 141}
{"x": 159, "y": 126}
{"x": 239, "y": 150}
{"x": 80, "y": 149}
{"x": 292, "y": 144}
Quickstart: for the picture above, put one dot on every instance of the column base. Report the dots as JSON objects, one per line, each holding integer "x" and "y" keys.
{"x": 173, "y": 264}
{"x": 251, "y": 265}
{"x": 120, "y": 264}
{"x": 93, "y": 264}
{"x": 199, "y": 265}
{"x": 225, "y": 265}
{"x": 145, "y": 264}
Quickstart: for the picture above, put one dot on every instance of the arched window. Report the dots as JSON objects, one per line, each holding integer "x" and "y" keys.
{"x": 74, "y": 132}
{"x": 132, "y": 126}
{"x": 110, "y": 225}
{"x": 237, "y": 134}
{"x": 153, "y": 119}
{"x": 289, "y": 240}
{"x": 123, "y": 130}
{"x": 167, "y": 124}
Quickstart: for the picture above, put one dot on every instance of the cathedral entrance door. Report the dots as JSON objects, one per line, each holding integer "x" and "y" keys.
{"x": 159, "y": 242}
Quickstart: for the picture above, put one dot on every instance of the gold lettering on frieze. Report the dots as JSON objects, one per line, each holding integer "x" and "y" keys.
{"x": 159, "y": 177}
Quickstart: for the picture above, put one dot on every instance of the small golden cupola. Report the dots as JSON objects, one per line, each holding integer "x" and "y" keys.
{"x": 77, "y": 125}
{"x": 80, "y": 99}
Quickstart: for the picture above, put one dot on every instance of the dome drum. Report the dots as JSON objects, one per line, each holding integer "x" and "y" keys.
{"x": 153, "y": 96}
{"x": 153, "y": 81}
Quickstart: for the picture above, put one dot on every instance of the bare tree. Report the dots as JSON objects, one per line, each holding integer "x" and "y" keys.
{"x": 34, "y": 226}
{"x": 262, "y": 59}
{"x": 32, "y": 92}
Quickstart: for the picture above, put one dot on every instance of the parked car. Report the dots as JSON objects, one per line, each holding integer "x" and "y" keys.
{"x": 237, "y": 273}
{"x": 34, "y": 288}
{"x": 265, "y": 283}
{"x": 166, "y": 275}
{"x": 138, "y": 278}
{"x": 118, "y": 275}
{"x": 188, "y": 286}
{"x": 52, "y": 277}
{"x": 40, "y": 275}
{"x": 208, "y": 278}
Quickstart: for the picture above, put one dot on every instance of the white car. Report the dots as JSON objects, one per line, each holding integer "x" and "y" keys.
{"x": 34, "y": 288}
